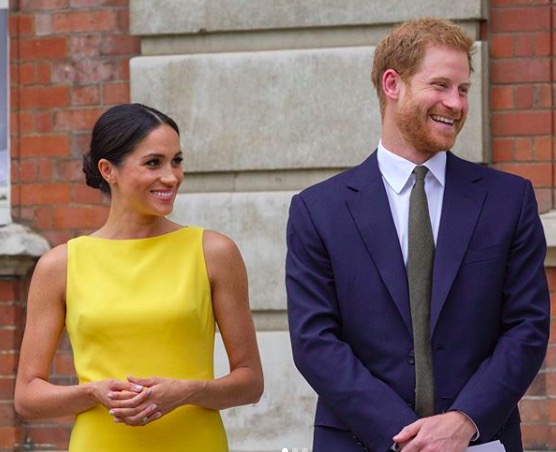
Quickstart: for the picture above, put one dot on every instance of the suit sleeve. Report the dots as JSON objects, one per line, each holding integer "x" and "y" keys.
{"x": 501, "y": 380}
{"x": 368, "y": 407}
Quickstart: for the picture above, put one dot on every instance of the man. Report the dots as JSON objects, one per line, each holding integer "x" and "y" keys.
{"x": 418, "y": 332}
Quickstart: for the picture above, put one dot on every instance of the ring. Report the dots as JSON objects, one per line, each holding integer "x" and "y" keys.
{"x": 145, "y": 420}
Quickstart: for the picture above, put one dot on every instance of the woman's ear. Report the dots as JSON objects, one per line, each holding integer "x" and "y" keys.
{"x": 106, "y": 170}
{"x": 391, "y": 84}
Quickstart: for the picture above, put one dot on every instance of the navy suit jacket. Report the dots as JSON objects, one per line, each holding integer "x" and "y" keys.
{"x": 349, "y": 314}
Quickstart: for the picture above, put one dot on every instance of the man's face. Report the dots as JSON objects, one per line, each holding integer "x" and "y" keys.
{"x": 433, "y": 103}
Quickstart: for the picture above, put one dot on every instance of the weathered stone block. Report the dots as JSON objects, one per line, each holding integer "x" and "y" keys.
{"x": 283, "y": 418}
{"x": 199, "y": 16}
{"x": 257, "y": 223}
{"x": 281, "y": 109}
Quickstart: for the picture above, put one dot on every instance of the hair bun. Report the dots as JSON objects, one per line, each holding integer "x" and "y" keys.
{"x": 92, "y": 174}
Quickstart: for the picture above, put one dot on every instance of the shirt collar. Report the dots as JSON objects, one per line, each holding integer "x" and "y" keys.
{"x": 397, "y": 171}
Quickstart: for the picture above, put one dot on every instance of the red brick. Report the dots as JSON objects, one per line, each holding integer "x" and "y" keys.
{"x": 544, "y": 199}
{"x": 9, "y": 437}
{"x": 522, "y": 70}
{"x": 8, "y": 363}
{"x": 73, "y": 120}
{"x": 25, "y": 25}
{"x": 79, "y": 217}
{"x": 502, "y": 149}
{"x": 43, "y": 24}
{"x": 85, "y": 71}
{"x": 85, "y": 95}
{"x": 523, "y": 149}
{"x": 542, "y": 96}
{"x": 49, "y": 437}
{"x": 7, "y": 414}
{"x": 63, "y": 363}
{"x": 45, "y": 194}
{"x": 123, "y": 20}
{"x": 533, "y": 410}
{"x": 540, "y": 174}
{"x": 78, "y": 21}
{"x": 25, "y": 122}
{"x": 43, "y": 218}
{"x": 543, "y": 148}
{"x": 85, "y": 46}
{"x": 44, "y": 4}
{"x": 501, "y": 46}
{"x": 542, "y": 45}
{"x": 28, "y": 170}
{"x": 522, "y": 123}
{"x": 551, "y": 384}
{"x": 497, "y": 3}
{"x": 69, "y": 171}
{"x": 524, "y": 97}
{"x": 115, "y": 93}
{"x": 44, "y": 97}
{"x": 120, "y": 45}
{"x": 83, "y": 194}
{"x": 7, "y": 386}
{"x": 43, "y": 48}
{"x": 45, "y": 170}
{"x": 520, "y": 19}
{"x": 124, "y": 69}
{"x": 55, "y": 236}
{"x": 523, "y": 44}
{"x": 45, "y": 145}
{"x": 27, "y": 73}
{"x": 43, "y": 122}
{"x": 10, "y": 314}
{"x": 535, "y": 437}
{"x": 7, "y": 291}
{"x": 44, "y": 73}
{"x": 502, "y": 97}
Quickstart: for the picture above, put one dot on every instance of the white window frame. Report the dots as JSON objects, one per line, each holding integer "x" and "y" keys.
{"x": 5, "y": 215}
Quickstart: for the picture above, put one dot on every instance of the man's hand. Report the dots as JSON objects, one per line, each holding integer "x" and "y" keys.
{"x": 450, "y": 431}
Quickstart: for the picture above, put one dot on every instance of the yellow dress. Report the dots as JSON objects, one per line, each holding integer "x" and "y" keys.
{"x": 142, "y": 307}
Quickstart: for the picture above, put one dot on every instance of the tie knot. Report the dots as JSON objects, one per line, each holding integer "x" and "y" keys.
{"x": 420, "y": 172}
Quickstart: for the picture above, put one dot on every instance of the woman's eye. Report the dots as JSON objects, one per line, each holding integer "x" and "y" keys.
{"x": 153, "y": 162}
{"x": 177, "y": 161}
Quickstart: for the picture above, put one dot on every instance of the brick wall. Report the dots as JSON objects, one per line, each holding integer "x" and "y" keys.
{"x": 522, "y": 41}
{"x": 69, "y": 61}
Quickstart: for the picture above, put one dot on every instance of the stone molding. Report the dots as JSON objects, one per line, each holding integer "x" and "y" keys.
{"x": 20, "y": 248}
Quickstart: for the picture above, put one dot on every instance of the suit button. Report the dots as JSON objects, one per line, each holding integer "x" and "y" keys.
{"x": 411, "y": 359}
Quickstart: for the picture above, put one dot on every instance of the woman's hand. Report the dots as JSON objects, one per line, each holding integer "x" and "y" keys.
{"x": 163, "y": 396}
{"x": 125, "y": 397}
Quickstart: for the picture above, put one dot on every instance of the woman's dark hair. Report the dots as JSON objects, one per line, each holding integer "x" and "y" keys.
{"x": 116, "y": 133}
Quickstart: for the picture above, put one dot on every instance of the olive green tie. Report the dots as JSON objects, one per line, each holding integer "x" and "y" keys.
{"x": 419, "y": 271}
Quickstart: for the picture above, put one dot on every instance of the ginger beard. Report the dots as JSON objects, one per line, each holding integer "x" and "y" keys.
{"x": 425, "y": 134}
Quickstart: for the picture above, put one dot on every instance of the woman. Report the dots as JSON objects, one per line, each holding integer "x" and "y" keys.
{"x": 140, "y": 297}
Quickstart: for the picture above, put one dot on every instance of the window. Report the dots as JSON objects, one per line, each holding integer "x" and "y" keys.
{"x": 4, "y": 117}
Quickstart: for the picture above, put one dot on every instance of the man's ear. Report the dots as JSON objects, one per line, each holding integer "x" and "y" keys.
{"x": 391, "y": 84}
{"x": 106, "y": 169}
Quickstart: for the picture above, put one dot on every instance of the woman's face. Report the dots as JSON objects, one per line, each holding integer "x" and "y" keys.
{"x": 148, "y": 179}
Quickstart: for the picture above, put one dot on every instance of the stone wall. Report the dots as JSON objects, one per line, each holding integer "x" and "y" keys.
{"x": 271, "y": 97}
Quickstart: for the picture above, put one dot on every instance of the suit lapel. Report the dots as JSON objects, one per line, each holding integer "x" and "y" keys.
{"x": 371, "y": 213}
{"x": 463, "y": 200}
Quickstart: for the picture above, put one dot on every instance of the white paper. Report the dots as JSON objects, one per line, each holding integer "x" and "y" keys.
{"x": 493, "y": 446}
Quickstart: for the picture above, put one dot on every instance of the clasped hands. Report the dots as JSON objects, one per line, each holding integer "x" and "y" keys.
{"x": 450, "y": 431}
{"x": 139, "y": 401}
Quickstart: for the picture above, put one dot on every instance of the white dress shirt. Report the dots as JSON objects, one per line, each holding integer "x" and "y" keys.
{"x": 397, "y": 175}
{"x": 398, "y": 178}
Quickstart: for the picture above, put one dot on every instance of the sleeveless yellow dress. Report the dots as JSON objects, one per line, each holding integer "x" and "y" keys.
{"x": 142, "y": 307}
